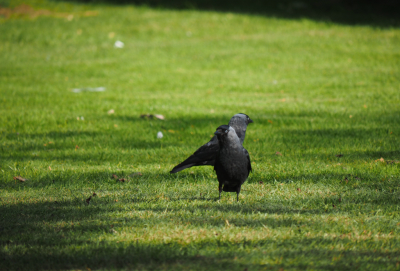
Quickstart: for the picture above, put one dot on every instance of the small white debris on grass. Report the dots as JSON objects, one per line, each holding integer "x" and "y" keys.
{"x": 98, "y": 89}
{"x": 160, "y": 134}
{"x": 119, "y": 44}
{"x": 111, "y": 111}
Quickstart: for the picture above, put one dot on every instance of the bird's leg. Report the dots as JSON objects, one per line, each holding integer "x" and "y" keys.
{"x": 220, "y": 190}
{"x": 237, "y": 193}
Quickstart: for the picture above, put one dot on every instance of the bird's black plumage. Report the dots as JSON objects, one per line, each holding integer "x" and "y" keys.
{"x": 232, "y": 163}
{"x": 205, "y": 155}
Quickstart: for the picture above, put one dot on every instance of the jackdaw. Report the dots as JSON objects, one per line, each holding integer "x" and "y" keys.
{"x": 232, "y": 163}
{"x": 205, "y": 155}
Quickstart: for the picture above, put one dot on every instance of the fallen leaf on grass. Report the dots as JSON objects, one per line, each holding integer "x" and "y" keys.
{"x": 227, "y": 222}
{"x": 94, "y": 194}
{"x": 298, "y": 189}
{"x": 111, "y": 111}
{"x": 76, "y": 147}
{"x": 278, "y": 153}
{"x": 380, "y": 160}
{"x": 339, "y": 155}
{"x": 333, "y": 205}
{"x": 114, "y": 176}
{"x": 134, "y": 174}
{"x": 260, "y": 182}
{"x": 340, "y": 199}
{"x": 392, "y": 162}
{"x": 19, "y": 178}
{"x": 122, "y": 180}
{"x": 88, "y": 200}
{"x": 150, "y": 116}
{"x": 346, "y": 180}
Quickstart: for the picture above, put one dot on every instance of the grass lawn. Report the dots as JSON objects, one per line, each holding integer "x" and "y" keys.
{"x": 314, "y": 89}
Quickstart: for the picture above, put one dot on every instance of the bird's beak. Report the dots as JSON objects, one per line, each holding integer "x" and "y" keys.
{"x": 218, "y": 132}
{"x": 250, "y": 120}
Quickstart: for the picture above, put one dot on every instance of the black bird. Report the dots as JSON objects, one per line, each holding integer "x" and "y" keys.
{"x": 232, "y": 163}
{"x": 205, "y": 155}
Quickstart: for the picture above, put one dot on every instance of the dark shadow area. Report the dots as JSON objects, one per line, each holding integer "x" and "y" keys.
{"x": 178, "y": 256}
{"x": 56, "y": 223}
{"x": 31, "y": 229}
{"x": 383, "y": 13}
{"x": 141, "y": 190}
{"x": 28, "y": 225}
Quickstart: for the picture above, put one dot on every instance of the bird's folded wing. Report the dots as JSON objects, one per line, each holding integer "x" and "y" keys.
{"x": 248, "y": 161}
{"x": 204, "y": 156}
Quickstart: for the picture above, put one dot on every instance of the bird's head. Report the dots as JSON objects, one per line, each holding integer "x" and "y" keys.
{"x": 240, "y": 119}
{"x": 223, "y": 130}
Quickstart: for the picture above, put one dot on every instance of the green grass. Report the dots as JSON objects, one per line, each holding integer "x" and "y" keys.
{"x": 313, "y": 89}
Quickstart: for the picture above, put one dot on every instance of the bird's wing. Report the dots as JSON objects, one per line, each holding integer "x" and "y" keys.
{"x": 216, "y": 162}
{"x": 204, "y": 156}
{"x": 248, "y": 161}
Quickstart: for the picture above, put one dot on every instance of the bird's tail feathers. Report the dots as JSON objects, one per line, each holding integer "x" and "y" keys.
{"x": 186, "y": 165}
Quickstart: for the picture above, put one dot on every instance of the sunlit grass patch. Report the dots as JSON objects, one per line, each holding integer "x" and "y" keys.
{"x": 324, "y": 145}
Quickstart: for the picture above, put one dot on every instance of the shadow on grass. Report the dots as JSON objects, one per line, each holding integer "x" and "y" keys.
{"x": 140, "y": 134}
{"x": 67, "y": 234}
{"x": 354, "y": 12}
{"x": 67, "y": 247}
{"x": 214, "y": 254}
